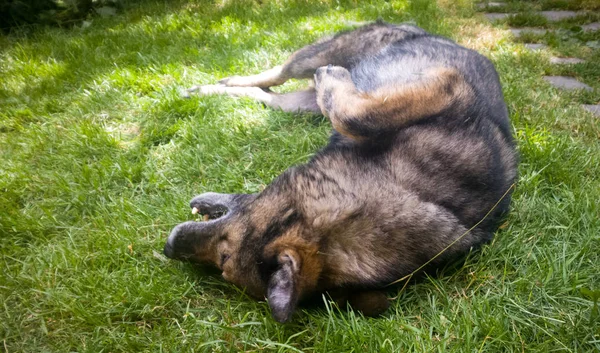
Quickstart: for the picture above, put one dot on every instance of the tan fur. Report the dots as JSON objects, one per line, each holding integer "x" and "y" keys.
{"x": 305, "y": 254}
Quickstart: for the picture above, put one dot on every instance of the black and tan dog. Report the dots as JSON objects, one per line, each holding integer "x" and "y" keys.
{"x": 421, "y": 151}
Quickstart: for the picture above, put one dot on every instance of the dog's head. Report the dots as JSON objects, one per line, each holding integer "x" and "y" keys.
{"x": 256, "y": 242}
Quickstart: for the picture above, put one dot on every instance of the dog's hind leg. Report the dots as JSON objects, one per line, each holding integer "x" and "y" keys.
{"x": 344, "y": 49}
{"x": 368, "y": 302}
{"x": 361, "y": 115}
{"x": 300, "y": 101}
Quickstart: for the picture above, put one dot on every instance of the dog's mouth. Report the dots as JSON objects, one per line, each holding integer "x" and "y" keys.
{"x": 209, "y": 215}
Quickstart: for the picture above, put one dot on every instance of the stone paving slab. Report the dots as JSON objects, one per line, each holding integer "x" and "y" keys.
{"x": 565, "y": 61}
{"x": 590, "y": 27}
{"x": 560, "y": 15}
{"x": 595, "y": 44}
{"x": 567, "y": 83}
{"x": 535, "y": 46}
{"x": 483, "y": 5}
{"x": 594, "y": 109}
{"x": 549, "y": 15}
{"x": 497, "y": 16}
{"x": 106, "y": 11}
{"x": 517, "y": 32}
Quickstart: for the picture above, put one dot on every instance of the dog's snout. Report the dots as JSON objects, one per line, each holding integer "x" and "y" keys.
{"x": 168, "y": 251}
{"x": 188, "y": 238}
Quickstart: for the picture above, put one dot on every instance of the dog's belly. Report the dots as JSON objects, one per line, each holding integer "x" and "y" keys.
{"x": 402, "y": 62}
{"x": 462, "y": 168}
{"x": 372, "y": 74}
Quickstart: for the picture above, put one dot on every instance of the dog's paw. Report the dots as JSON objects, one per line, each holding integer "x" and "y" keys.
{"x": 184, "y": 93}
{"x": 370, "y": 303}
{"x": 238, "y": 81}
{"x": 332, "y": 75}
{"x": 329, "y": 82}
{"x": 203, "y": 90}
{"x": 229, "y": 81}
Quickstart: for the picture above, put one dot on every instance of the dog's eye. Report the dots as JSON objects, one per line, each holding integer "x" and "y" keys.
{"x": 224, "y": 258}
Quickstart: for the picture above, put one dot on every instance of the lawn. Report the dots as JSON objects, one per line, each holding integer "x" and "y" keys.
{"x": 99, "y": 156}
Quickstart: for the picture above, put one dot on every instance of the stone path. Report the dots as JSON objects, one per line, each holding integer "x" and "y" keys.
{"x": 498, "y": 16}
{"x": 551, "y": 16}
{"x": 565, "y": 82}
{"x": 553, "y": 59}
{"x": 590, "y": 27}
{"x": 560, "y": 15}
{"x": 489, "y": 5}
{"x": 517, "y": 32}
{"x": 560, "y": 82}
{"x": 106, "y": 11}
{"x": 535, "y": 46}
{"x": 565, "y": 61}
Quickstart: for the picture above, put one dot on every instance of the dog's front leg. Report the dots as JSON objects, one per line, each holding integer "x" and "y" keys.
{"x": 300, "y": 101}
{"x": 265, "y": 79}
{"x": 250, "y": 92}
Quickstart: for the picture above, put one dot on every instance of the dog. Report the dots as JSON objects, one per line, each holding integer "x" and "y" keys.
{"x": 418, "y": 170}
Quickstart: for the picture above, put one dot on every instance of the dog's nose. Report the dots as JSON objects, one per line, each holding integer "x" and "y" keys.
{"x": 168, "y": 251}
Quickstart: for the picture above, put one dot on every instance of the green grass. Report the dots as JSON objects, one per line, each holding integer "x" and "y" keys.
{"x": 567, "y": 39}
{"x": 99, "y": 157}
{"x": 527, "y": 19}
{"x": 543, "y": 5}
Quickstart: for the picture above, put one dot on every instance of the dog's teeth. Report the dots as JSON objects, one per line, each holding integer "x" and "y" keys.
{"x": 206, "y": 217}
{"x": 195, "y": 210}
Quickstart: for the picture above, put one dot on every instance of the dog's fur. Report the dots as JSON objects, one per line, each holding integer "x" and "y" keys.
{"x": 421, "y": 151}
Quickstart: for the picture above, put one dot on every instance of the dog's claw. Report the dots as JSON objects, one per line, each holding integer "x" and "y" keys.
{"x": 231, "y": 81}
{"x": 203, "y": 90}
{"x": 184, "y": 93}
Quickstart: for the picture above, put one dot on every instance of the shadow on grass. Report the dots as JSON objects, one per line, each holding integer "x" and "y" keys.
{"x": 61, "y": 76}
{"x": 213, "y": 37}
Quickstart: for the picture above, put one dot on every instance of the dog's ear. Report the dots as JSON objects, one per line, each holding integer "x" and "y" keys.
{"x": 284, "y": 285}
{"x": 298, "y": 267}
